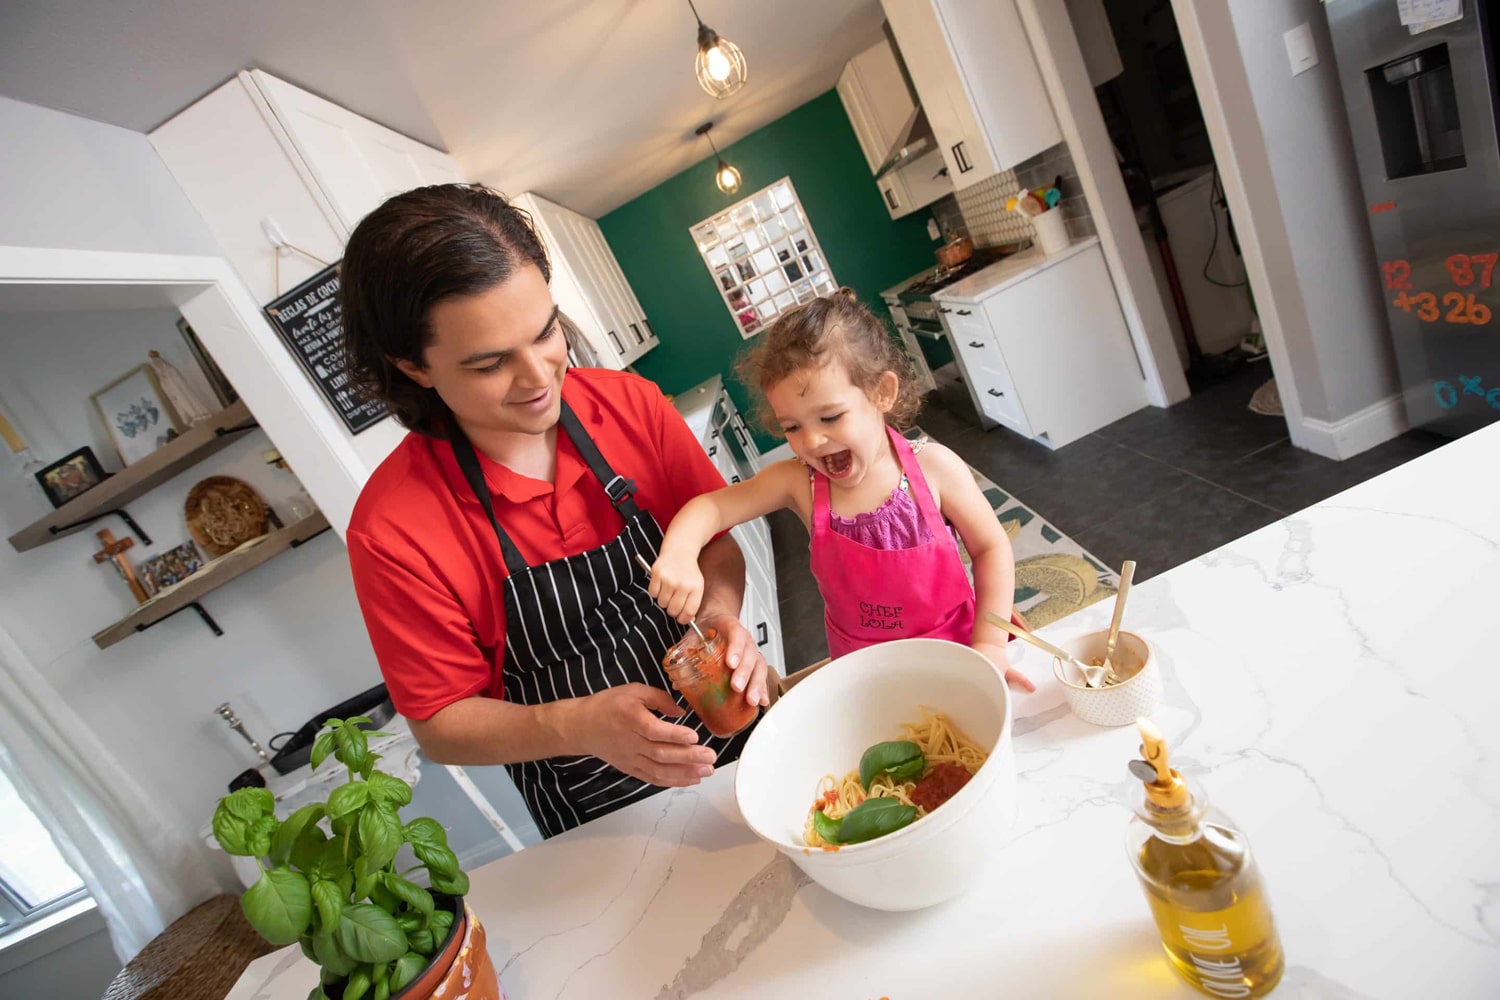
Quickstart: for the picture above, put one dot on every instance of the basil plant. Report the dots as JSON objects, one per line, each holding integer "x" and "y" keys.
{"x": 328, "y": 877}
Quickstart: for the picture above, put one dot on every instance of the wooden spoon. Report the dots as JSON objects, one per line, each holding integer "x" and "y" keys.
{"x": 1127, "y": 573}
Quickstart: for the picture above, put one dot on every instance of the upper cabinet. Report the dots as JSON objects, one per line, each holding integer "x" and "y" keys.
{"x": 259, "y": 155}
{"x": 589, "y": 286}
{"x": 973, "y": 69}
{"x": 879, "y": 107}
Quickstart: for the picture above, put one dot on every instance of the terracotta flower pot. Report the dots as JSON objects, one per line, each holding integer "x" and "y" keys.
{"x": 462, "y": 969}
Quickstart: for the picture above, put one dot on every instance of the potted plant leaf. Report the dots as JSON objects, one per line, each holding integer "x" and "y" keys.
{"x": 329, "y": 882}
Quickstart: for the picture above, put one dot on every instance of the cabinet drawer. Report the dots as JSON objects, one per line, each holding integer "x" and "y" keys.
{"x": 997, "y": 397}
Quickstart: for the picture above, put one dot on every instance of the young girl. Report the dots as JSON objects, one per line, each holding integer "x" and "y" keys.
{"x": 877, "y": 507}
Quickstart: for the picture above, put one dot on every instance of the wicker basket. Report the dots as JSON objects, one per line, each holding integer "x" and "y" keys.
{"x": 201, "y": 955}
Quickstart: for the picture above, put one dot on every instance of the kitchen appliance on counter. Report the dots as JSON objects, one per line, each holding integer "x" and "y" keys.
{"x": 911, "y": 305}
{"x": 1422, "y": 102}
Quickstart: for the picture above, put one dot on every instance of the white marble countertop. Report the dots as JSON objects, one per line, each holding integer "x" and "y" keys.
{"x": 1329, "y": 682}
{"x": 1004, "y": 273}
{"x": 697, "y": 406}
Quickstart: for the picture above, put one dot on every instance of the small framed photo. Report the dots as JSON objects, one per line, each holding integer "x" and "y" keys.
{"x": 216, "y": 380}
{"x": 71, "y": 476}
{"x": 136, "y": 414}
{"x": 172, "y": 566}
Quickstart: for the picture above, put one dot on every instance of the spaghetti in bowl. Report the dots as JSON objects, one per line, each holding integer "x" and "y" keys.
{"x": 826, "y": 723}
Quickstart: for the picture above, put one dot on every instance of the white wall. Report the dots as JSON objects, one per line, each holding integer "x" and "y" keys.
{"x": 1312, "y": 159}
{"x": 72, "y": 182}
{"x": 72, "y": 960}
{"x": 294, "y": 641}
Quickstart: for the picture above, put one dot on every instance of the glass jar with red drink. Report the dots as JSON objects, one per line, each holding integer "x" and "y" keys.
{"x": 699, "y": 670}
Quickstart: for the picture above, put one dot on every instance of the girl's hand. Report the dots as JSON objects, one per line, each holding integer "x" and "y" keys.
{"x": 997, "y": 656}
{"x": 677, "y": 586}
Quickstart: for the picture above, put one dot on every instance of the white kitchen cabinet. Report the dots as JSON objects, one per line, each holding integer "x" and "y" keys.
{"x": 356, "y": 162}
{"x": 588, "y": 284}
{"x": 973, "y": 68}
{"x": 878, "y": 105}
{"x": 1044, "y": 349}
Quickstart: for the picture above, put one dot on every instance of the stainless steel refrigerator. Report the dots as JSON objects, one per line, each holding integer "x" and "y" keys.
{"x": 1422, "y": 103}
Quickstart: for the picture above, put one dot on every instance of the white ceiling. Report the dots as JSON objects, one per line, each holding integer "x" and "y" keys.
{"x": 589, "y": 102}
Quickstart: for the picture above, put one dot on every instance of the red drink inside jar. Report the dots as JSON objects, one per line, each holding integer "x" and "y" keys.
{"x": 698, "y": 669}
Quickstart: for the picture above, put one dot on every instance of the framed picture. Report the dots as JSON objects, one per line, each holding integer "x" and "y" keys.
{"x": 216, "y": 380}
{"x": 172, "y": 566}
{"x": 71, "y": 476}
{"x": 136, "y": 414}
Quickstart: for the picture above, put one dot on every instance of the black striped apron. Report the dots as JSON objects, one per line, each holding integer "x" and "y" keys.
{"x": 580, "y": 625}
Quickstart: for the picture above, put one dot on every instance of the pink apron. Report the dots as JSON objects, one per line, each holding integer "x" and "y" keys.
{"x": 874, "y": 595}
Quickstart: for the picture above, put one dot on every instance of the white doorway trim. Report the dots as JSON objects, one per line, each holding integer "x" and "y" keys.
{"x": 227, "y": 319}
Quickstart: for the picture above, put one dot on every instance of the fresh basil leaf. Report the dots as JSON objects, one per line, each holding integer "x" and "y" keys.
{"x": 322, "y": 747}
{"x": 352, "y": 746}
{"x": 306, "y": 943}
{"x": 329, "y": 903}
{"x": 368, "y": 933}
{"x": 456, "y": 884}
{"x": 249, "y": 803}
{"x": 358, "y": 983}
{"x": 329, "y": 865}
{"x": 408, "y": 967}
{"x": 425, "y": 831}
{"x": 366, "y": 876}
{"x": 410, "y": 920}
{"x": 439, "y": 860}
{"x": 278, "y": 905}
{"x": 385, "y": 788}
{"x": 382, "y": 990}
{"x": 875, "y": 818}
{"x": 422, "y": 942}
{"x": 827, "y": 827}
{"x": 291, "y": 829}
{"x": 317, "y": 993}
{"x": 379, "y": 833}
{"x": 888, "y": 756}
{"x": 356, "y": 719}
{"x": 308, "y": 847}
{"x": 383, "y": 897}
{"x": 258, "y": 840}
{"x": 348, "y": 799}
{"x": 409, "y": 893}
{"x": 439, "y": 922}
{"x": 232, "y": 832}
{"x": 329, "y": 955}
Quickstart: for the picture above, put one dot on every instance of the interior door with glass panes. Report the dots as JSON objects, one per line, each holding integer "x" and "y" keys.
{"x": 763, "y": 256}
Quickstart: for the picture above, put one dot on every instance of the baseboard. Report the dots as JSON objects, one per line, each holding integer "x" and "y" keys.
{"x": 1361, "y": 431}
{"x": 780, "y": 453}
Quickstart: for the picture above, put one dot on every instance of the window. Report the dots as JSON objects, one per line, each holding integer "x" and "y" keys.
{"x": 763, "y": 256}
{"x": 34, "y": 878}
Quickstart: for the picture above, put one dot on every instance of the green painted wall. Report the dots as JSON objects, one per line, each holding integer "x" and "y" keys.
{"x": 814, "y": 146}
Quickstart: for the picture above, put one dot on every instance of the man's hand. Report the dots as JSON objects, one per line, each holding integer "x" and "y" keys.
{"x": 744, "y": 658}
{"x": 997, "y": 656}
{"x": 619, "y": 727}
{"x": 677, "y": 585}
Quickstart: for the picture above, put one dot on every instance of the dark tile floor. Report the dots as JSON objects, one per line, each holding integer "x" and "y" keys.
{"x": 1161, "y": 487}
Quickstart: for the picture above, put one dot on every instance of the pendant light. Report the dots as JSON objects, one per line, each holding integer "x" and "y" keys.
{"x": 725, "y": 176}
{"x": 720, "y": 65}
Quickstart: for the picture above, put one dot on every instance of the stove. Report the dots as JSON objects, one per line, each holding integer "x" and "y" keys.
{"x": 923, "y": 289}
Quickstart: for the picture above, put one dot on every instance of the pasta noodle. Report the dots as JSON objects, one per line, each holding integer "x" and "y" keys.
{"x": 941, "y": 743}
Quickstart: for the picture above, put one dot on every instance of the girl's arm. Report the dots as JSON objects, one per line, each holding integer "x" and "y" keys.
{"x": 964, "y": 505}
{"x": 676, "y": 581}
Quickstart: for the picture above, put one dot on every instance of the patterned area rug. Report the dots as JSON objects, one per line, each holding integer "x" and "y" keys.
{"x": 1055, "y": 576}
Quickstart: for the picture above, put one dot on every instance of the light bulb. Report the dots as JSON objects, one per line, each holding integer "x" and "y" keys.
{"x": 718, "y": 64}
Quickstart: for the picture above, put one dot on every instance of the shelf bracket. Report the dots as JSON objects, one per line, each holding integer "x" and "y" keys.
{"x": 208, "y": 620}
{"x": 58, "y": 529}
{"x": 248, "y": 425}
{"x": 299, "y": 542}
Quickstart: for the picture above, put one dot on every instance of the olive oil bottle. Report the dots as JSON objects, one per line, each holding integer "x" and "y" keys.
{"x": 1201, "y": 882}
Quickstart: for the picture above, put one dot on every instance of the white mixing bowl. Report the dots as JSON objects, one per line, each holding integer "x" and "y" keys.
{"x": 826, "y": 722}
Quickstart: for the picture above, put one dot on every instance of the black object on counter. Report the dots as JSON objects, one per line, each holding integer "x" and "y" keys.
{"x": 248, "y": 779}
{"x": 297, "y": 748}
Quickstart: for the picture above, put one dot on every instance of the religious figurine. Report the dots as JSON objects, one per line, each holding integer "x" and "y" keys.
{"x": 114, "y": 551}
{"x": 183, "y": 397}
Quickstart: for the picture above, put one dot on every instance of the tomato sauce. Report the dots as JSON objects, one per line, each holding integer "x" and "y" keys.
{"x": 699, "y": 671}
{"x": 940, "y": 785}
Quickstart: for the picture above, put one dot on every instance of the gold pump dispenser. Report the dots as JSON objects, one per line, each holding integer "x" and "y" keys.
{"x": 1200, "y": 881}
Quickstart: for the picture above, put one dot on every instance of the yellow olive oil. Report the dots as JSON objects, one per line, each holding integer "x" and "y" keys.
{"x": 1201, "y": 883}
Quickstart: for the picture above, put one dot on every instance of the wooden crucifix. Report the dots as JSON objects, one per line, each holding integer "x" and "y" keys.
{"x": 114, "y": 551}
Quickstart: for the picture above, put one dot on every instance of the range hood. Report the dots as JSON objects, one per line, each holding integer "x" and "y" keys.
{"x": 915, "y": 140}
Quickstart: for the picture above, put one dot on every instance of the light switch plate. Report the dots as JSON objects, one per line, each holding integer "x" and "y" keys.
{"x": 1300, "y": 50}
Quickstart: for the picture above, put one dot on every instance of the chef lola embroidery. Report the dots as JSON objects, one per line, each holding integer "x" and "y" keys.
{"x": 884, "y": 515}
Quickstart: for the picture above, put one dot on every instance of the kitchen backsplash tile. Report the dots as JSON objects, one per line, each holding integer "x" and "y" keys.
{"x": 979, "y": 211}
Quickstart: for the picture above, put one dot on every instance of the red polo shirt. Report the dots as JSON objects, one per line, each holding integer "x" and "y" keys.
{"x": 427, "y": 567}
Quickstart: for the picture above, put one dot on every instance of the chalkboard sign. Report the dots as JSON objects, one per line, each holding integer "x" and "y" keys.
{"x": 311, "y": 324}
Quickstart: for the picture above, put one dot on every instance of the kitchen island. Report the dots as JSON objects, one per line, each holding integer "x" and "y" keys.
{"x": 1328, "y": 683}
